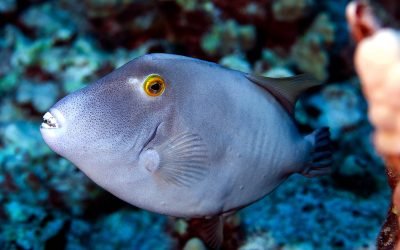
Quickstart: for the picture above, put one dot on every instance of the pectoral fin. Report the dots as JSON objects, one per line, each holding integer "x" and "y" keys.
{"x": 183, "y": 160}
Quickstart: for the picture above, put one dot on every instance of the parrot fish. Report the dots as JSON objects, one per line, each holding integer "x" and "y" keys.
{"x": 187, "y": 138}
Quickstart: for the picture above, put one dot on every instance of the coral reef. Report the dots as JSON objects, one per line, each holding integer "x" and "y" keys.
{"x": 338, "y": 106}
{"x": 7, "y": 6}
{"x": 129, "y": 229}
{"x": 51, "y": 48}
{"x": 228, "y": 37}
{"x": 309, "y": 52}
{"x": 291, "y": 10}
{"x": 317, "y": 216}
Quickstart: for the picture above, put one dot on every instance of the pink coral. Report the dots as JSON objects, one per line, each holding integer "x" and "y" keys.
{"x": 379, "y": 70}
{"x": 377, "y": 61}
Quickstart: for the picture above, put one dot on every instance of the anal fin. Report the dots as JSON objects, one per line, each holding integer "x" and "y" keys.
{"x": 210, "y": 230}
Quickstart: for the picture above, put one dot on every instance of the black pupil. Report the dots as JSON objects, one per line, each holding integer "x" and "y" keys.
{"x": 155, "y": 87}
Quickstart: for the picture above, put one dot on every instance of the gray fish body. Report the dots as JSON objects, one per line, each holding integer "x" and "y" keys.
{"x": 212, "y": 143}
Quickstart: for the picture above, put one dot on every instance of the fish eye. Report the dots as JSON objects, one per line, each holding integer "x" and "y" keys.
{"x": 154, "y": 85}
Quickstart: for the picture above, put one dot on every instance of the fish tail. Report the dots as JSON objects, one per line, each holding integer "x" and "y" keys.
{"x": 321, "y": 153}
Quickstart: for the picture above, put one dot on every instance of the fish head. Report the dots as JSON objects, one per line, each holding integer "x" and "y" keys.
{"x": 106, "y": 124}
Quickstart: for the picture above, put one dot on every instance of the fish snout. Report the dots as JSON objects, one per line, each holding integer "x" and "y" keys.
{"x": 53, "y": 130}
{"x": 49, "y": 121}
{"x": 53, "y": 123}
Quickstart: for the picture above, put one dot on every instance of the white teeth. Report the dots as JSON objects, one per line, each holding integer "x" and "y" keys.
{"x": 49, "y": 121}
{"x": 45, "y": 125}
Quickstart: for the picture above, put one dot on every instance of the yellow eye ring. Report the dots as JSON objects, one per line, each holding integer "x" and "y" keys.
{"x": 154, "y": 85}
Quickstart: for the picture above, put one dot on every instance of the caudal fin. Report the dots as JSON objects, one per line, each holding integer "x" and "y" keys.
{"x": 321, "y": 155}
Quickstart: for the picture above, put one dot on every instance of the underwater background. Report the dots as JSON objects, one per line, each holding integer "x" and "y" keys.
{"x": 49, "y": 49}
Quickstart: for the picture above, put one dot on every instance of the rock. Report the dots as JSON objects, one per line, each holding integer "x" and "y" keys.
{"x": 194, "y": 244}
{"x": 261, "y": 242}
{"x": 236, "y": 62}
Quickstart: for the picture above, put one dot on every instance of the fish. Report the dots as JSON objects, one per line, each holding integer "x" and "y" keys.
{"x": 187, "y": 138}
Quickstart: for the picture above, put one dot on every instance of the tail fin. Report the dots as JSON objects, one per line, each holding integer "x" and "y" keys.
{"x": 321, "y": 155}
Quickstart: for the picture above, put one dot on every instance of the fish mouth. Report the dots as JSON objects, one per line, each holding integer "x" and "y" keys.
{"x": 49, "y": 122}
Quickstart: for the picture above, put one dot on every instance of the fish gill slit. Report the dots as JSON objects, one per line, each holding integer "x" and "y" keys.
{"x": 152, "y": 136}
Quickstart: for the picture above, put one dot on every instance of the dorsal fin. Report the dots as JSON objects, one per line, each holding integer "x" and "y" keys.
{"x": 287, "y": 89}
